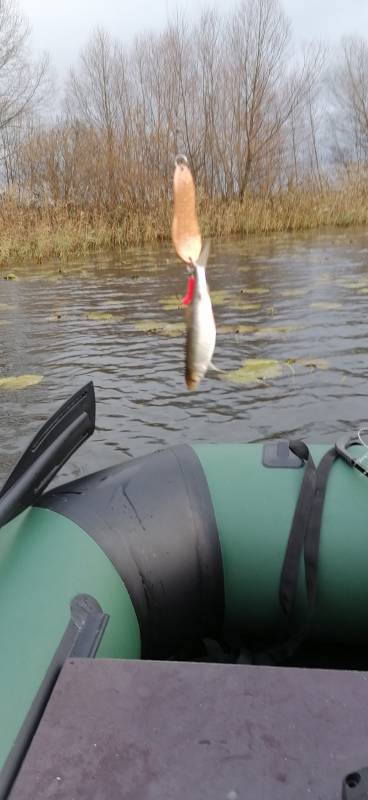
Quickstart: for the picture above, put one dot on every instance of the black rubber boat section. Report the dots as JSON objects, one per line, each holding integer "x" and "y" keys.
{"x": 154, "y": 518}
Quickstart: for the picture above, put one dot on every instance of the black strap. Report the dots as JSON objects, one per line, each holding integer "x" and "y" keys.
{"x": 306, "y": 528}
{"x": 298, "y": 530}
{"x": 313, "y": 534}
{"x": 304, "y": 537}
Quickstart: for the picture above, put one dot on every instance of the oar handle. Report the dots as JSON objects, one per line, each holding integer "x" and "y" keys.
{"x": 54, "y": 444}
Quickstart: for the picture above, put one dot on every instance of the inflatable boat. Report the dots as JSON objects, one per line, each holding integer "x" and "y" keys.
{"x": 262, "y": 547}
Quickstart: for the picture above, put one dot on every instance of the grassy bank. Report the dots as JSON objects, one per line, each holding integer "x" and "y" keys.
{"x": 35, "y": 235}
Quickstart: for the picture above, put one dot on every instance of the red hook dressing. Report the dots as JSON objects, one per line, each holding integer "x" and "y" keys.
{"x": 190, "y": 290}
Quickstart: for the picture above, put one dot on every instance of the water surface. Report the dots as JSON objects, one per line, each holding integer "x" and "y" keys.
{"x": 314, "y": 298}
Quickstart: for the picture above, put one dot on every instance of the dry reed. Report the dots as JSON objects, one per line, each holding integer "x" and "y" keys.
{"x": 49, "y": 232}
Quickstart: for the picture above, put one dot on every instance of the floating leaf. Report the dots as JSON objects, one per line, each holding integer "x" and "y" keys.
{"x": 160, "y": 328}
{"x": 172, "y": 303}
{"x": 323, "y": 279}
{"x": 325, "y": 306}
{"x": 218, "y": 297}
{"x": 359, "y": 284}
{"x": 255, "y": 290}
{"x": 10, "y": 276}
{"x": 241, "y": 306}
{"x": 101, "y": 316}
{"x": 271, "y": 330}
{"x": 313, "y": 363}
{"x": 293, "y": 292}
{"x": 20, "y": 381}
{"x": 254, "y": 370}
{"x": 50, "y": 278}
{"x": 235, "y": 328}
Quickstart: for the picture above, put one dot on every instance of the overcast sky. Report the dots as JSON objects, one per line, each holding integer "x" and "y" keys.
{"x": 63, "y": 27}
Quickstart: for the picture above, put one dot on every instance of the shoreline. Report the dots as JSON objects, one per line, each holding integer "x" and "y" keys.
{"x": 62, "y": 232}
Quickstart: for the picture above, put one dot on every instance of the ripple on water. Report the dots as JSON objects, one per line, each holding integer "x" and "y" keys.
{"x": 283, "y": 299}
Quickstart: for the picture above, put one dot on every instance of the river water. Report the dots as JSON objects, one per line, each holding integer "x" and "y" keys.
{"x": 300, "y": 300}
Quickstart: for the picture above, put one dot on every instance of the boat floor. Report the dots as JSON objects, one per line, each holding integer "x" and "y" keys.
{"x": 193, "y": 731}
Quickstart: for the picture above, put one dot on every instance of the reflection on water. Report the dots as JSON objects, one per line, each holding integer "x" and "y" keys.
{"x": 286, "y": 298}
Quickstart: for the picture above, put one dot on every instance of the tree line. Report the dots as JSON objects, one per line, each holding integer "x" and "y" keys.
{"x": 254, "y": 116}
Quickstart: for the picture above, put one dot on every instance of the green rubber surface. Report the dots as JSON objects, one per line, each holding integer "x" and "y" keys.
{"x": 45, "y": 560}
{"x": 254, "y": 507}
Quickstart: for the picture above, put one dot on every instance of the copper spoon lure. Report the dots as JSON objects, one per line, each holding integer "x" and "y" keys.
{"x": 185, "y": 231}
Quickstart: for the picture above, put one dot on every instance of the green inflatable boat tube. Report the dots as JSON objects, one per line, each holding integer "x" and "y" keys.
{"x": 254, "y": 507}
{"x": 45, "y": 561}
{"x": 188, "y": 542}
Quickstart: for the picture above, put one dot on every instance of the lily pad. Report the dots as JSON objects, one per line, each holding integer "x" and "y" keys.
{"x": 255, "y": 370}
{"x": 235, "y": 328}
{"x": 172, "y": 303}
{"x": 218, "y": 297}
{"x": 293, "y": 292}
{"x": 323, "y": 279}
{"x": 20, "y": 381}
{"x": 256, "y": 290}
{"x": 241, "y": 306}
{"x": 359, "y": 284}
{"x": 101, "y": 316}
{"x": 322, "y": 306}
{"x": 160, "y": 328}
{"x": 313, "y": 363}
{"x": 272, "y": 330}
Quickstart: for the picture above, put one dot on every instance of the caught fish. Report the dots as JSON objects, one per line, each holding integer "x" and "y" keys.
{"x": 201, "y": 329}
{"x": 185, "y": 231}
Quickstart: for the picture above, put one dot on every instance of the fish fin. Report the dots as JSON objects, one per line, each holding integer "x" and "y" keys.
{"x": 203, "y": 256}
{"x": 213, "y": 367}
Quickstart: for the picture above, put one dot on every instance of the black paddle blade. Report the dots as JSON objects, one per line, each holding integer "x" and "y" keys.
{"x": 52, "y": 446}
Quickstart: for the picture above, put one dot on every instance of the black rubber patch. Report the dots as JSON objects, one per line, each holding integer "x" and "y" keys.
{"x": 278, "y": 454}
{"x": 154, "y": 518}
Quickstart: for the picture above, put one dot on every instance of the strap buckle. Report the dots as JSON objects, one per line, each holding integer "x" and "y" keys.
{"x": 342, "y": 445}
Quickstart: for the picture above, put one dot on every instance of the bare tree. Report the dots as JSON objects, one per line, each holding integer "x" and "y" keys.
{"x": 349, "y": 103}
{"x": 265, "y": 86}
{"x": 23, "y": 87}
{"x": 209, "y": 44}
{"x": 227, "y": 91}
{"x": 91, "y": 97}
{"x": 21, "y": 80}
